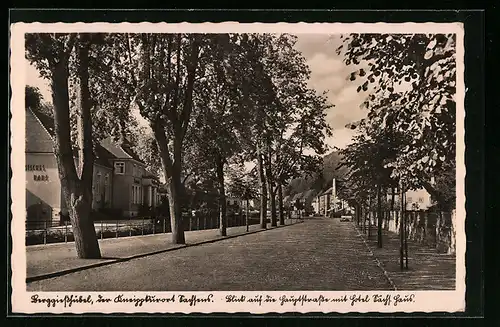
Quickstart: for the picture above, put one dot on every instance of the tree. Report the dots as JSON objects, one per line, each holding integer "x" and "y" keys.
{"x": 51, "y": 54}
{"x": 32, "y": 97}
{"x": 253, "y": 94}
{"x": 242, "y": 185}
{"x": 220, "y": 125}
{"x": 308, "y": 132}
{"x": 289, "y": 117}
{"x": 144, "y": 144}
{"x": 413, "y": 92}
{"x": 163, "y": 70}
{"x": 366, "y": 159}
{"x": 34, "y": 100}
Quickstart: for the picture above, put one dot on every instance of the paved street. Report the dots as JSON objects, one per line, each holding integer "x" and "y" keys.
{"x": 52, "y": 258}
{"x": 320, "y": 254}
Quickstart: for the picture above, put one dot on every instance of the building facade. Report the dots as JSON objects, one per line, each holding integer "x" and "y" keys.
{"x": 121, "y": 180}
{"x": 416, "y": 200}
{"x": 328, "y": 201}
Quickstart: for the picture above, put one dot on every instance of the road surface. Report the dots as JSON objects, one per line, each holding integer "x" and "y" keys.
{"x": 319, "y": 254}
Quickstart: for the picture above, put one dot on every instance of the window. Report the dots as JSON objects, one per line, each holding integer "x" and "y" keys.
{"x": 134, "y": 171}
{"x": 119, "y": 168}
{"x": 106, "y": 185}
{"x": 98, "y": 186}
{"x": 421, "y": 200}
{"x": 136, "y": 194}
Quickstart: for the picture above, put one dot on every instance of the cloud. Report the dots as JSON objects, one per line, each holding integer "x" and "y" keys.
{"x": 341, "y": 138}
{"x": 329, "y": 73}
{"x": 347, "y": 94}
{"x": 321, "y": 65}
{"x": 310, "y": 44}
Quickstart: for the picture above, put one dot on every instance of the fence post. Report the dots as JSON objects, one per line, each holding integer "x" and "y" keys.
{"x": 116, "y": 229}
{"x": 164, "y": 225}
{"x": 142, "y": 229}
{"x": 44, "y": 232}
{"x": 65, "y": 231}
{"x": 154, "y": 225}
{"x": 102, "y": 230}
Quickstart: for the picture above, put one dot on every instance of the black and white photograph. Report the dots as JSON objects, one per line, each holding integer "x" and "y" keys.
{"x": 238, "y": 168}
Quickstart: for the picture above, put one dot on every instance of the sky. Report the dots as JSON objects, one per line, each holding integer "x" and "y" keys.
{"x": 328, "y": 73}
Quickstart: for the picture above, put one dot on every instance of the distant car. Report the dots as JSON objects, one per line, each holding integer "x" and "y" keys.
{"x": 345, "y": 218}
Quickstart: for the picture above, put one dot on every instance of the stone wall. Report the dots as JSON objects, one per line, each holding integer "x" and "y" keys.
{"x": 435, "y": 229}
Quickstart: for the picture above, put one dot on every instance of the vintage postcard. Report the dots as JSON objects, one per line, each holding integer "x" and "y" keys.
{"x": 228, "y": 167}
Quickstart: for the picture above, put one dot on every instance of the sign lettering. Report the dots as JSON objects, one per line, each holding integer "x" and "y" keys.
{"x": 41, "y": 178}
{"x": 35, "y": 167}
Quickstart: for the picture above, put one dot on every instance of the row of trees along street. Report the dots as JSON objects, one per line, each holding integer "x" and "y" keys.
{"x": 407, "y": 141}
{"x": 212, "y": 101}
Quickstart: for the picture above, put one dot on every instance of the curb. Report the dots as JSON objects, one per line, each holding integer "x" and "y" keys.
{"x": 379, "y": 264}
{"x": 141, "y": 255}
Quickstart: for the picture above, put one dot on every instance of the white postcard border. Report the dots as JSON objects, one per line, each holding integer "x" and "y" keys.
{"x": 421, "y": 301}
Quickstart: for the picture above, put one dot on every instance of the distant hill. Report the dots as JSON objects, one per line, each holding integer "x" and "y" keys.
{"x": 322, "y": 179}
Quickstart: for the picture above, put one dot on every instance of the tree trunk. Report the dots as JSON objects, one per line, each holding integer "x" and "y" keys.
{"x": 270, "y": 189}
{"x": 77, "y": 190}
{"x": 369, "y": 216}
{"x": 222, "y": 198}
{"x": 363, "y": 213}
{"x": 406, "y": 239}
{"x": 172, "y": 171}
{"x": 401, "y": 228}
{"x": 173, "y": 193}
{"x": 280, "y": 204}
{"x": 379, "y": 217}
{"x": 246, "y": 213}
{"x": 359, "y": 214}
{"x": 393, "y": 191}
{"x": 263, "y": 190}
{"x": 79, "y": 208}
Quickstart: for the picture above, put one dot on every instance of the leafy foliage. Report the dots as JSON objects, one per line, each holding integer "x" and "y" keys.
{"x": 411, "y": 80}
{"x": 33, "y": 97}
{"x": 241, "y": 184}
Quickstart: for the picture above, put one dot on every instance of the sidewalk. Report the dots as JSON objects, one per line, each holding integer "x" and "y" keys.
{"x": 51, "y": 260}
{"x": 427, "y": 269}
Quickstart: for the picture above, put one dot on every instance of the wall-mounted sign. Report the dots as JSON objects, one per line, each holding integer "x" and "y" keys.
{"x": 41, "y": 178}
{"x": 35, "y": 167}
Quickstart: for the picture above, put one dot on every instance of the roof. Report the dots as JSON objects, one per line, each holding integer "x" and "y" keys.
{"x": 309, "y": 194}
{"x": 40, "y": 137}
{"x": 328, "y": 191}
{"x": 120, "y": 150}
{"x": 102, "y": 156}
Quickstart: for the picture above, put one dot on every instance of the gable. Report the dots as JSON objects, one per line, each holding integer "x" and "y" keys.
{"x": 37, "y": 138}
{"x": 121, "y": 151}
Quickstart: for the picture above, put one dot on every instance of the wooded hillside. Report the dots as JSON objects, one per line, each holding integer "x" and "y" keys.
{"x": 321, "y": 180}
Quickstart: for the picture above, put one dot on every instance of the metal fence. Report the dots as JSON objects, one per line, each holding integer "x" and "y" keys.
{"x": 45, "y": 232}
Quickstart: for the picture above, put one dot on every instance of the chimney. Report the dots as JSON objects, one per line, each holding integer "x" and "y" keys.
{"x": 334, "y": 189}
